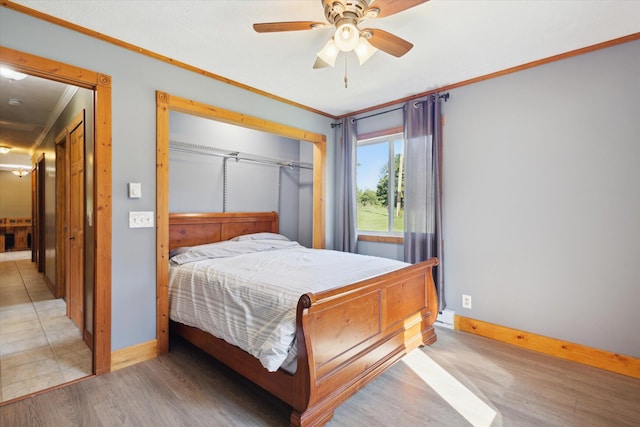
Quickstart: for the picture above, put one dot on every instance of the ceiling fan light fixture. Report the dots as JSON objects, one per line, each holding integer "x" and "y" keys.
{"x": 364, "y": 50}
{"x": 337, "y": 7}
{"x": 329, "y": 53}
{"x": 372, "y": 13}
{"x": 319, "y": 63}
{"x": 345, "y": 16}
{"x": 346, "y": 36}
{"x": 20, "y": 172}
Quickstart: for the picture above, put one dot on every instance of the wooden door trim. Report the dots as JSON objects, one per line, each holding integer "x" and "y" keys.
{"x": 40, "y": 193}
{"x": 34, "y": 247}
{"x": 76, "y": 273}
{"x": 100, "y": 84}
{"x": 76, "y": 121}
{"x": 62, "y": 212}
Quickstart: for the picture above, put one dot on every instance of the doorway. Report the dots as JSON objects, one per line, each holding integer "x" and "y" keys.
{"x": 75, "y": 199}
{"x": 98, "y": 210}
{"x": 38, "y": 208}
{"x": 69, "y": 223}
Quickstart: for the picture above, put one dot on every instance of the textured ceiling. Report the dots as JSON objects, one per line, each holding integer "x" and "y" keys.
{"x": 453, "y": 41}
{"x": 26, "y": 108}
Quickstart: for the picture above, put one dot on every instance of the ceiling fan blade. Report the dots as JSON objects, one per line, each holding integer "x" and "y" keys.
{"x": 391, "y": 7}
{"x": 272, "y": 27}
{"x": 387, "y": 42}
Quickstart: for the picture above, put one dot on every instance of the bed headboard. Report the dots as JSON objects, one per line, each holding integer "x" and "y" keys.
{"x": 190, "y": 229}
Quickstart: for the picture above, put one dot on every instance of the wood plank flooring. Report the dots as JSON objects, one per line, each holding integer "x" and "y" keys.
{"x": 461, "y": 380}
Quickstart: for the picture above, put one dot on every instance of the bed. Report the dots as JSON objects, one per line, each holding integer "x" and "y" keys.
{"x": 344, "y": 336}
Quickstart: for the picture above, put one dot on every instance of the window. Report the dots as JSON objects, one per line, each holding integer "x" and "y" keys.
{"x": 380, "y": 195}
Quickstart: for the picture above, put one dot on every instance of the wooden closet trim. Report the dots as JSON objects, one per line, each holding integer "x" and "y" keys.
{"x": 166, "y": 103}
{"x": 100, "y": 84}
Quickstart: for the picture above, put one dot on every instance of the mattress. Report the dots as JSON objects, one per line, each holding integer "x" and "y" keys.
{"x": 246, "y": 292}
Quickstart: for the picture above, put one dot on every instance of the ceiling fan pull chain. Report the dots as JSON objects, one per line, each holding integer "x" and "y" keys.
{"x": 345, "y": 71}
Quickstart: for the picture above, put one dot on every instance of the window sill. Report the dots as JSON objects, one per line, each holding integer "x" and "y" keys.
{"x": 380, "y": 238}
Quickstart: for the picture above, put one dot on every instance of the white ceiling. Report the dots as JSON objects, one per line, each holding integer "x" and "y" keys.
{"x": 28, "y": 108}
{"x": 453, "y": 41}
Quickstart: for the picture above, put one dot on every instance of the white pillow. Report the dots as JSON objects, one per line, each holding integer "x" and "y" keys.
{"x": 230, "y": 248}
{"x": 260, "y": 236}
{"x": 178, "y": 251}
{"x": 209, "y": 250}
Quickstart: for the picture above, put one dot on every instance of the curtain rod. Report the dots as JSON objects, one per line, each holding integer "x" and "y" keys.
{"x": 444, "y": 96}
{"x": 187, "y": 147}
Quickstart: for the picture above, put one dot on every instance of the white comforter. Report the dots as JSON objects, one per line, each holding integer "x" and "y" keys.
{"x": 247, "y": 292}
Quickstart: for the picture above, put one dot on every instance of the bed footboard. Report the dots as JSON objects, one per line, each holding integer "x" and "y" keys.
{"x": 349, "y": 335}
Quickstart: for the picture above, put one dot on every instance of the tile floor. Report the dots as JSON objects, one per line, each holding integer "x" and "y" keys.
{"x": 40, "y": 347}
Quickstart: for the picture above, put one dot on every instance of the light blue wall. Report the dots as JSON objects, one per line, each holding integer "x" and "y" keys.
{"x": 135, "y": 79}
{"x": 305, "y": 197}
{"x": 385, "y": 250}
{"x": 15, "y": 195}
{"x": 542, "y": 199}
{"x": 196, "y": 180}
{"x": 374, "y": 122}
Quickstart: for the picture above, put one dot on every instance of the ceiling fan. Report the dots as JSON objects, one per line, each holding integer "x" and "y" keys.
{"x": 345, "y": 15}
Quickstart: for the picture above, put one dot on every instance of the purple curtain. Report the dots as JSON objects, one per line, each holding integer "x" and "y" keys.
{"x": 423, "y": 186}
{"x": 346, "y": 238}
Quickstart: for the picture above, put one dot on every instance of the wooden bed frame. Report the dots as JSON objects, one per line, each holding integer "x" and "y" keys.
{"x": 345, "y": 336}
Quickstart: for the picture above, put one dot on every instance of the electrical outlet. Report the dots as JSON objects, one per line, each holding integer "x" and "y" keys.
{"x": 141, "y": 219}
{"x": 466, "y": 301}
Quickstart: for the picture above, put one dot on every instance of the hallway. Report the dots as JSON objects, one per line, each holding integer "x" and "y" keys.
{"x": 40, "y": 347}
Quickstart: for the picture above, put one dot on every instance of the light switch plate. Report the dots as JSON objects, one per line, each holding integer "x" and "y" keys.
{"x": 141, "y": 219}
{"x": 135, "y": 190}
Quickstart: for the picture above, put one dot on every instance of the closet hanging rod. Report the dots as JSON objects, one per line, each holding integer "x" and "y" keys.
{"x": 186, "y": 147}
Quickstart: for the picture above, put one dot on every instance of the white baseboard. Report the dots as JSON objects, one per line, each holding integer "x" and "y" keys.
{"x": 446, "y": 318}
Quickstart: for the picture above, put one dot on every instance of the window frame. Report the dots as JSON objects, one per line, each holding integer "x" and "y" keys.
{"x": 389, "y": 135}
